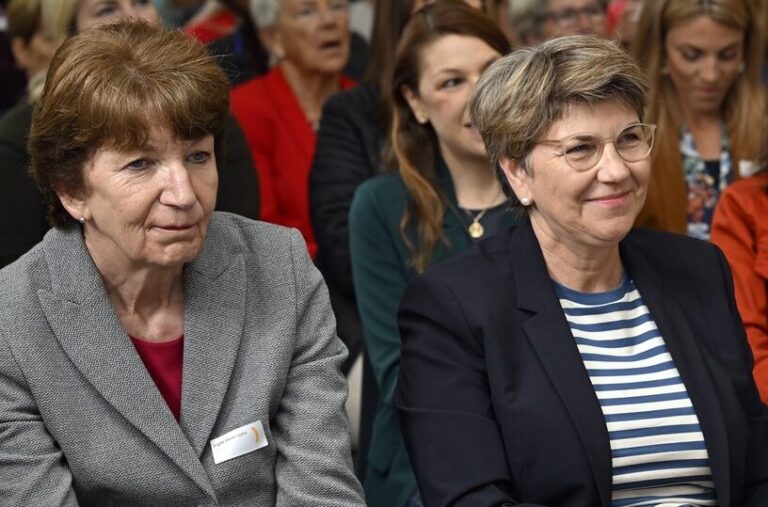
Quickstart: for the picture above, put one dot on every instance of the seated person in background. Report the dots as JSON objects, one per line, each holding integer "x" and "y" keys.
{"x": 238, "y": 186}
{"x": 524, "y": 21}
{"x": 280, "y": 112}
{"x": 31, "y": 45}
{"x": 703, "y": 60}
{"x": 20, "y": 200}
{"x": 574, "y": 361}
{"x": 213, "y": 21}
{"x": 13, "y": 83}
{"x": 740, "y": 229}
{"x": 557, "y": 18}
{"x": 147, "y": 353}
{"x": 352, "y": 133}
{"x": 623, "y": 16}
{"x": 439, "y": 199}
{"x": 239, "y": 50}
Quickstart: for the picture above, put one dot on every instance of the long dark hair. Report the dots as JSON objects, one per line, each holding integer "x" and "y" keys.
{"x": 410, "y": 151}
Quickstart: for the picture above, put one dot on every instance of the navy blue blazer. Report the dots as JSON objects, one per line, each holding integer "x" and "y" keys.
{"x": 497, "y": 407}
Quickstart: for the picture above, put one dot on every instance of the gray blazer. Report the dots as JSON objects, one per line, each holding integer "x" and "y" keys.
{"x": 81, "y": 421}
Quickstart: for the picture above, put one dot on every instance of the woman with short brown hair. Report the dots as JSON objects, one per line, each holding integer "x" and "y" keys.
{"x": 133, "y": 338}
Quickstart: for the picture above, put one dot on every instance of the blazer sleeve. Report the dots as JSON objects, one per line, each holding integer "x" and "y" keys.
{"x": 755, "y": 482}
{"x": 452, "y": 436}
{"x": 734, "y": 230}
{"x": 339, "y": 166}
{"x": 238, "y": 183}
{"x": 380, "y": 277}
{"x": 380, "y": 280}
{"x": 310, "y": 429}
{"x": 32, "y": 467}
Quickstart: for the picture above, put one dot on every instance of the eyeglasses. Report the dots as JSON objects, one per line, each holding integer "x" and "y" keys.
{"x": 569, "y": 16}
{"x": 583, "y": 151}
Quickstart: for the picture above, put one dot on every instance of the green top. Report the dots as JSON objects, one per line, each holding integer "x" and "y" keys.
{"x": 381, "y": 269}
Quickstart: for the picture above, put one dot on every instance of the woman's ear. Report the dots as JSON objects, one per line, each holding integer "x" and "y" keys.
{"x": 518, "y": 178}
{"x": 416, "y": 105}
{"x": 75, "y": 206}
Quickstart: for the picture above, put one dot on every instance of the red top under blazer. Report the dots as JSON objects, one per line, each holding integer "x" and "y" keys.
{"x": 282, "y": 143}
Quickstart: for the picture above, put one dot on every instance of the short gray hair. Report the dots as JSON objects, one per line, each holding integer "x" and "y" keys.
{"x": 521, "y": 95}
{"x": 265, "y": 12}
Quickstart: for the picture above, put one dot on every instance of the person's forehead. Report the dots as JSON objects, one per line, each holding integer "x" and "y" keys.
{"x": 559, "y": 5}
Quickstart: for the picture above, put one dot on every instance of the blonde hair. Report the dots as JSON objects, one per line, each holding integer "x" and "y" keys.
{"x": 60, "y": 18}
{"x": 521, "y": 95}
{"x": 742, "y": 109}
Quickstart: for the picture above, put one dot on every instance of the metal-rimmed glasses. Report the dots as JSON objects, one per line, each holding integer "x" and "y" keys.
{"x": 583, "y": 151}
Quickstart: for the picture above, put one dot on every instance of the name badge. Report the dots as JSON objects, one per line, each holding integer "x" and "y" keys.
{"x": 237, "y": 442}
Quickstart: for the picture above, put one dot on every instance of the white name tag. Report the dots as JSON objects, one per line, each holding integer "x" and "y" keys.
{"x": 237, "y": 442}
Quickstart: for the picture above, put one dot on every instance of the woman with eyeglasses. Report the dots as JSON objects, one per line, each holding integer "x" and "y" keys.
{"x": 703, "y": 58}
{"x": 572, "y": 360}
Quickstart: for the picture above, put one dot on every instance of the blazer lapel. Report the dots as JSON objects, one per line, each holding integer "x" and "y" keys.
{"x": 681, "y": 342}
{"x": 83, "y": 320}
{"x": 551, "y": 338}
{"x": 215, "y": 295}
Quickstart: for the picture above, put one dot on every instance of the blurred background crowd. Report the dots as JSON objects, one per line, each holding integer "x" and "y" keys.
{"x": 353, "y": 129}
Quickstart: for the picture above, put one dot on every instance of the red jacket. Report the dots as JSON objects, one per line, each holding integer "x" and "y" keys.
{"x": 282, "y": 142}
{"x": 740, "y": 229}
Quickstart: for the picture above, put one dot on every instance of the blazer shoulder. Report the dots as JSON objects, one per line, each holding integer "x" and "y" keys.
{"x": 664, "y": 248}
{"x": 230, "y": 234}
{"x": 358, "y": 102}
{"x": 388, "y": 184}
{"x": 382, "y": 196}
{"x": 20, "y": 281}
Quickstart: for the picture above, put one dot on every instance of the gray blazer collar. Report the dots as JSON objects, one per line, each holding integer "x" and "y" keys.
{"x": 81, "y": 316}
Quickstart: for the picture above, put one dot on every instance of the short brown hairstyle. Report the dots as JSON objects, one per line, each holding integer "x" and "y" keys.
{"x": 521, "y": 95}
{"x": 107, "y": 87}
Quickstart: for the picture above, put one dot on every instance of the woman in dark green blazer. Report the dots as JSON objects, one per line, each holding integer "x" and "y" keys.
{"x": 440, "y": 198}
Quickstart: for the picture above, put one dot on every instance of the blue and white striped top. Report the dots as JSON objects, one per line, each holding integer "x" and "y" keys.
{"x": 658, "y": 450}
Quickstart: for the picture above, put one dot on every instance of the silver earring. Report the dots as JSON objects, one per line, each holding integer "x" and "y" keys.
{"x": 81, "y": 220}
{"x": 525, "y": 201}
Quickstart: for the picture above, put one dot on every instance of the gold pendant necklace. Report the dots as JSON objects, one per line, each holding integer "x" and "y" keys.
{"x": 476, "y": 229}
